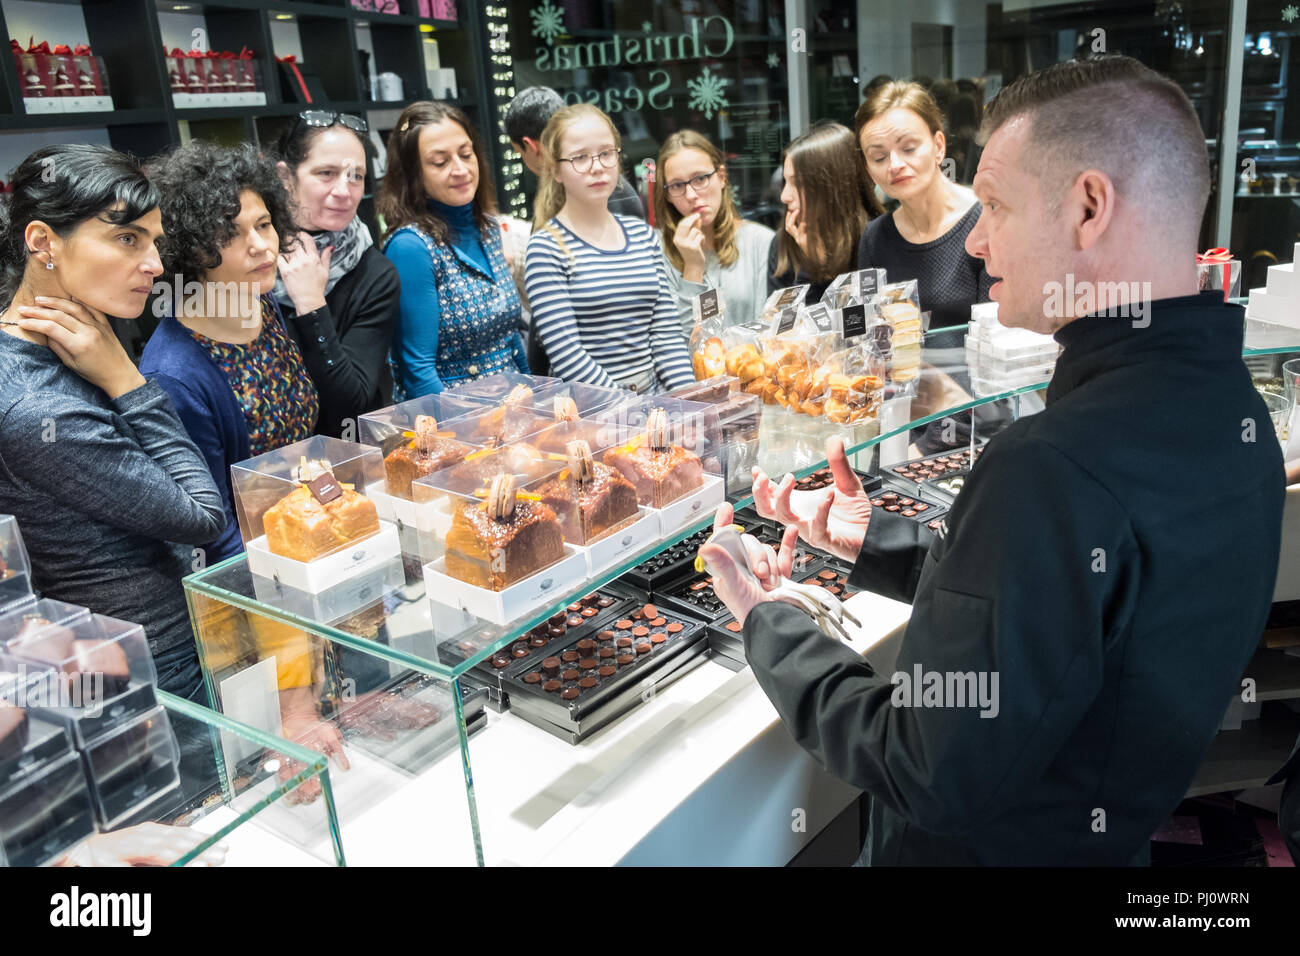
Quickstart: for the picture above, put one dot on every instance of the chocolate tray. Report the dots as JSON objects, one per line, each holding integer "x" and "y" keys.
{"x": 727, "y": 647}
{"x": 668, "y": 564}
{"x": 668, "y": 671}
{"x": 822, "y": 478}
{"x": 934, "y": 466}
{"x": 903, "y": 497}
{"x": 610, "y": 662}
{"x": 573, "y": 622}
{"x": 938, "y": 488}
{"x": 833, "y": 579}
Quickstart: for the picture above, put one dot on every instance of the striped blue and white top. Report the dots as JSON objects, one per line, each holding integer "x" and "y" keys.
{"x": 606, "y": 317}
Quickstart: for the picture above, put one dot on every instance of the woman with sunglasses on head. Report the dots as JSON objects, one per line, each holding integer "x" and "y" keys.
{"x": 707, "y": 244}
{"x": 225, "y": 354}
{"x": 596, "y": 281}
{"x": 828, "y": 202}
{"x": 459, "y": 314}
{"x": 338, "y": 293}
{"x": 94, "y": 462}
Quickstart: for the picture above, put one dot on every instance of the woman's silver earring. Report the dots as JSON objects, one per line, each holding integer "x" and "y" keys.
{"x": 50, "y": 264}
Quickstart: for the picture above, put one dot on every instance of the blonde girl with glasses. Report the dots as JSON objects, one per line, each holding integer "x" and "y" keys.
{"x": 706, "y": 243}
{"x": 596, "y": 281}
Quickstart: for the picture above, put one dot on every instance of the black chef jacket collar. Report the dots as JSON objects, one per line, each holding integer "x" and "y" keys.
{"x": 1195, "y": 325}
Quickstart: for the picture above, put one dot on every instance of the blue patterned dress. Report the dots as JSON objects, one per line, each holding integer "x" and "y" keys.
{"x": 459, "y": 307}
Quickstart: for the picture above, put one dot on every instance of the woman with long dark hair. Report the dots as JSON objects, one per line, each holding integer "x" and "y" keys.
{"x": 828, "y": 202}
{"x": 459, "y": 315}
{"x": 94, "y": 462}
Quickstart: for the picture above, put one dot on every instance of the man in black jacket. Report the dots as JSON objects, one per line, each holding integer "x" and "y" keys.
{"x": 1080, "y": 623}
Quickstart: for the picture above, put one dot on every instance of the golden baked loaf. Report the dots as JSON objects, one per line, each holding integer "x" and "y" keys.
{"x": 300, "y": 527}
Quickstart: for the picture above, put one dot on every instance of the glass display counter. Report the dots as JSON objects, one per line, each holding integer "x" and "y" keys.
{"x": 395, "y": 694}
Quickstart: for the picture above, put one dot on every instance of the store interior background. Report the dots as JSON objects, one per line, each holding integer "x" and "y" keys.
{"x": 775, "y": 80}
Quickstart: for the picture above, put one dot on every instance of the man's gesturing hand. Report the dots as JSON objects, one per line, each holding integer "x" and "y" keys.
{"x": 833, "y": 519}
{"x": 742, "y": 588}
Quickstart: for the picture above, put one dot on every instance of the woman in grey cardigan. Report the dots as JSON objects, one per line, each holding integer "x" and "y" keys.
{"x": 94, "y": 463}
{"x": 706, "y": 243}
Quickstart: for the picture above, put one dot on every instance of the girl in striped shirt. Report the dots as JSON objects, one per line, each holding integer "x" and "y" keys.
{"x": 595, "y": 280}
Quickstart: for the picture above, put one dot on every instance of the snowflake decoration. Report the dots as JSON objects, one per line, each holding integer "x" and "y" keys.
{"x": 773, "y": 60}
{"x": 548, "y": 21}
{"x": 1291, "y": 13}
{"x": 647, "y": 26}
{"x": 707, "y": 93}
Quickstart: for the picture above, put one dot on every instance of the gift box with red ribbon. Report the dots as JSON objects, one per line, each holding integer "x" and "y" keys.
{"x": 36, "y": 67}
{"x": 298, "y": 84}
{"x": 86, "y": 87}
{"x": 1216, "y": 269}
{"x": 248, "y": 78}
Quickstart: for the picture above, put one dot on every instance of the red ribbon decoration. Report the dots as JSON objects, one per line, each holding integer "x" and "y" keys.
{"x": 1218, "y": 255}
{"x": 15, "y": 46}
{"x": 302, "y": 84}
{"x": 82, "y": 49}
{"x": 62, "y": 50}
{"x": 245, "y": 53}
{"x": 33, "y": 47}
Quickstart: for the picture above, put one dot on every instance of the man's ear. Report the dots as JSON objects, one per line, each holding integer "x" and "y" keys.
{"x": 1091, "y": 203}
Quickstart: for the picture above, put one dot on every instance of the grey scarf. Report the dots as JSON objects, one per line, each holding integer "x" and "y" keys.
{"x": 349, "y": 244}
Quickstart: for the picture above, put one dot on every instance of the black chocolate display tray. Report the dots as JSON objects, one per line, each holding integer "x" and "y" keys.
{"x": 895, "y": 471}
{"x": 934, "y": 509}
{"x": 726, "y": 647}
{"x": 592, "y": 701}
{"x": 486, "y": 670}
{"x": 577, "y": 730}
{"x": 936, "y": 491}
{"x": 670, "y": 563}
{"x": 701, "y": 602}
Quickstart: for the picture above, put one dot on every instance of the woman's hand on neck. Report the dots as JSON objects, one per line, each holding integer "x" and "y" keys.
{"x": 35, "y": 282}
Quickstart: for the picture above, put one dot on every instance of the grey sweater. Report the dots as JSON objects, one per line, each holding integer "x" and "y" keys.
{"x": 743, "y": 284}
{"x": 99, "y": 488}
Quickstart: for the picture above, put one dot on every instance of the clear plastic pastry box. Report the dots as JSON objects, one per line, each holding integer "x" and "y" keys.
{"x": 45, "y": 802}
{"x": 596, "y": 505}
{"x": 495, "y": 389}
{"x": 574, "y": 399}
{"x": 504, "y": 551}
{"x": 131, "y": 767}
{"x": 672, "y": 453}
{"x": 31, "y": 617}
{"x": 93, "y": 673}
{"x": 15, "y": 568}
{"x": 304, "y": 515}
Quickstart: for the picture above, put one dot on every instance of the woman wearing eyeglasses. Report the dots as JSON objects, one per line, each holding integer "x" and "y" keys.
{"x": 339, "y": 294}
{"x": 459, "y": 313}
{"x": 596, "y": 281}
{"x": 707, "y": 244}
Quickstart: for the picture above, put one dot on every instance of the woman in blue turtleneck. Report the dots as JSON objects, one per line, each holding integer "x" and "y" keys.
{"x": 459, "y": 305}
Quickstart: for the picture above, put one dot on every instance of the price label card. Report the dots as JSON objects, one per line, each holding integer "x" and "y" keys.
{"x": 855, "y": 320}
{"x": 708, "y": 305}
{"x": 325, "y": 489}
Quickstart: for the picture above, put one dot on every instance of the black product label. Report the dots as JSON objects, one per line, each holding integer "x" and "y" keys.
{"x": 855, "y": 320}
{"x": 785, "y": 321}
{"x": 866, "y": 281}
{"x": 325, "y": 489}
{"x": 821, "y": 317}
{"x": 708, "y": 304}
{"x": 789, "y": 295}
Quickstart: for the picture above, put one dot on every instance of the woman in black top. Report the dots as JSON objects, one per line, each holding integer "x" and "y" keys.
{"x": 900, "y": 130}
{"x": 828, "y": 200}
{"x": 338, "y": 293}
{"x": 94, "y": 463}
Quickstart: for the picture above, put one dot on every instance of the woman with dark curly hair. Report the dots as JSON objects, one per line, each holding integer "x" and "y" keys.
{"x": 94, "y": 463}
{"x": 459, "y": 304}
{"x": 224, "y": 354}
{"x": 337, "y": 291}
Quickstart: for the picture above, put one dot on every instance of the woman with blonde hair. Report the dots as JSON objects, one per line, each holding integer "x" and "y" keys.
{"x": 828, "y": 202}
{"x": 900, "y": 130}
{"x": 596, "y": 281}
{"x": 707, "y": 244}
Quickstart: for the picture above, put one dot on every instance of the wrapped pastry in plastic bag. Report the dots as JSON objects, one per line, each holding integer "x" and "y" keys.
{"x": 744, "y": 357}
{"x": 853, "y": 390}
{"x": 708, "y": 353}
{"x": 898, "y": 306}
{"x": 788, "y": 298}
{"x": 853, "y": 288}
